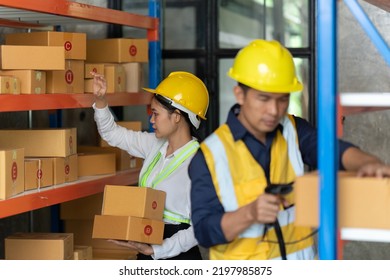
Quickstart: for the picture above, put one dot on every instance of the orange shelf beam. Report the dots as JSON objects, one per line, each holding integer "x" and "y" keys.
{"x": 25, "y": 102}
{"x": 83, "y": 11}
{"x": 52, "y": 195}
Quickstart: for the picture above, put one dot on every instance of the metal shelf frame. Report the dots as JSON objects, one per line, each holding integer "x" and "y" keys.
{"x": 46, "y": 14}
{"x": 327, "y": 111}
{"x": 48, "y": 196}
{"x": 24, "y": 102}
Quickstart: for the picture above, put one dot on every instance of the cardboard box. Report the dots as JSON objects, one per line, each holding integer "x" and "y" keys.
{"x": 11, "y": 172}
{"x": 39, "y": 246}
{"x": 134, "y": 76}
{"x": 133, "y": 201}
{"x": 363, "y": 202}
{"x": 123, "y": 161}
{"x": 83, "y": 208}
{"x": 131, "y": 125}
{"x": 93, "y": 67}
{"x": 9, "y": 85}
{"x": 128, "y": 228}
{"x": 73, "y": 44}
{"x": 38, "y": 173}
{"x": 31, "y": 81}
{"x": 82, "y": 234}
{"x": 32, "y": 57}
{"x": 91, "y": 164}
{"x": 70, "y": 80}
{"x": 53, "y": 142}
{"x": 115, "y": 76}
{"x": 117, "y": 50}
{"x": 65, "y": 169}
{"x": 82, "y": 252}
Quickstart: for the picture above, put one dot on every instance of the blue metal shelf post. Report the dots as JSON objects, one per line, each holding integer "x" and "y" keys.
{"x": 369, "y": 28}
{"x": 327, "y": 144}
{"x": 155, "y": 75}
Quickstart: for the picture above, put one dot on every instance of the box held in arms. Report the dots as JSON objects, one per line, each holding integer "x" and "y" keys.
{"x": 133, "y": 201}
{"x": 128, "y": 228}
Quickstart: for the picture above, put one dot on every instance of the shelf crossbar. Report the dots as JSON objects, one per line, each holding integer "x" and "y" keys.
{"x": 82, "y": 11}
{"x": 48, "y": 196}
{"x": 25, "y": 102}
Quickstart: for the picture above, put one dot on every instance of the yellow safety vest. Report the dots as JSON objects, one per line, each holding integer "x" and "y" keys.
{"x": 239, "y": 179}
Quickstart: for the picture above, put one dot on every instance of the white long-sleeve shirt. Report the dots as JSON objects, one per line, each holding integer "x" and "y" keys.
{"x": 177, "y": 185}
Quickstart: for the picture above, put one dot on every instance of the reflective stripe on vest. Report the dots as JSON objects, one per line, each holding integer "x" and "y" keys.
{"x": 294, "y": 154}
{"x": 172, "y": 166}
{"x": 171, "y": 216}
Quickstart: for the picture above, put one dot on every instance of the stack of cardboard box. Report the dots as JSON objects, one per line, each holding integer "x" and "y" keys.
{"x": 77, "y": 218}
{"x": 120, "y": 60}
{"x": 50, "y": 156}
{"x": 131, "y": 213}
{"x": 23, "y": 66}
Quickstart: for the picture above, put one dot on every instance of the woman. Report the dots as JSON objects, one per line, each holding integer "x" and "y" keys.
{"x": 178, "y": 104}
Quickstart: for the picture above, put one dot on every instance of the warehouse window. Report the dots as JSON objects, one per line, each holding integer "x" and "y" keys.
{"x": 203, "y": 36}
{"x": 240, "y": 22}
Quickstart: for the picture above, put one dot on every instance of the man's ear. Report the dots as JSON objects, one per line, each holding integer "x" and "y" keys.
{"x": 239, "y": 94}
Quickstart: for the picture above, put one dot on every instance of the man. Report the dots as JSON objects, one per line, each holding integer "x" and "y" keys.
{"x": 260, "y": 145}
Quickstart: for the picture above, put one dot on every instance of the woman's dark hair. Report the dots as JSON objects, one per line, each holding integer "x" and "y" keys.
{"x": 245, "y": 88}
{"x": 168, "y": 106}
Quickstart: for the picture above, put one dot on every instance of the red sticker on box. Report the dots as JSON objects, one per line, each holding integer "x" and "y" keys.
{"x": 154, "y": 204}
{"x": 133, "y": 50}
{"x": 39, "y": 174}
{"x": 148, "y": 230}
{"x": 68, "y": 46}
{"x": 67, "y": 169}
{"x": 14, "y": 171}
{"x": 69, "y": 76}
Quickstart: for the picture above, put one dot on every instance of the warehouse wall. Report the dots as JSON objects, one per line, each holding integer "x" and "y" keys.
{"x": 362, "y": 69}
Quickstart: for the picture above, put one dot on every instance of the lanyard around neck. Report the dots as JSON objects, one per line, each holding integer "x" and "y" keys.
{"x": 179, "y": 159}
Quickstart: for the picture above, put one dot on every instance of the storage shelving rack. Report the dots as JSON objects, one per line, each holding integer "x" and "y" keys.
{"x": 43, "y": 13}
{"x": 327, "y": 111}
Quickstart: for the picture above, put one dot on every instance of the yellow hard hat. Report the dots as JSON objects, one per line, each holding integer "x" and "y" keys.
{"x": 266, "y": 66}
{"x": 186, "y": 92}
